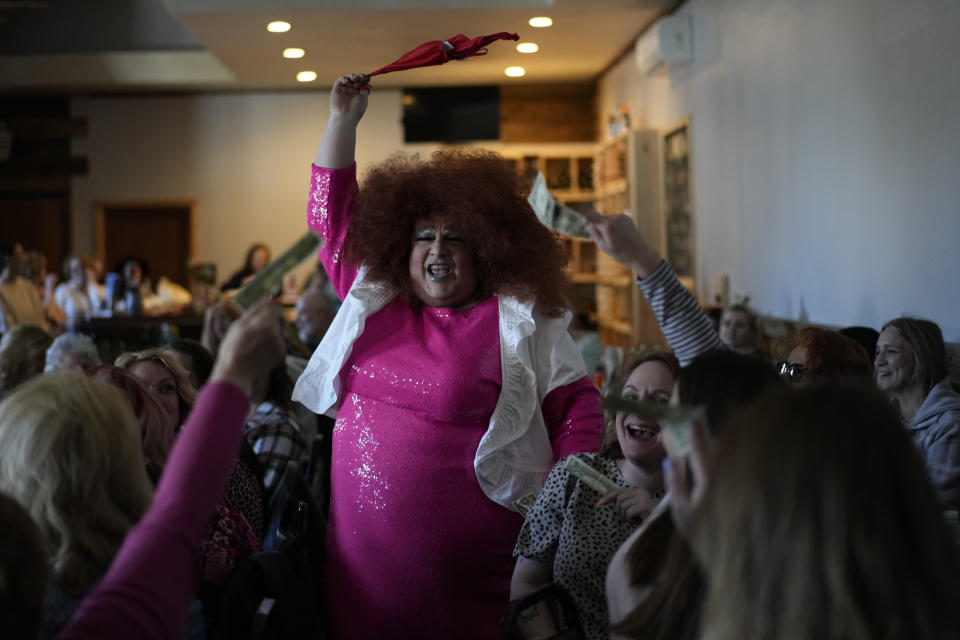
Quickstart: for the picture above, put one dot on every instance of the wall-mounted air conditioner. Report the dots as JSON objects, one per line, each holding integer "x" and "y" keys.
{"x": 665, "y": 43}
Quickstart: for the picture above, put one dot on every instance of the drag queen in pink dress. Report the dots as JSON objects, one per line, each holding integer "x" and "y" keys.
{"x": 452, "y": 377}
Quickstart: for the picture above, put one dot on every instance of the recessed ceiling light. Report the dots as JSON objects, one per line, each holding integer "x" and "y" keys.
{"x": 293, "y": 52}
{"x": 515, "y": 72}
{"x": 540, "y": 21}
{"x": 306, "y": 76}
{"x": 528, "y": 47}
{"x": 278, "y": 26}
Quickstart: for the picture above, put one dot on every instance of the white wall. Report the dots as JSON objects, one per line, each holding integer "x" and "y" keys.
{"x": 825, "y": 142}
{"x": 243, "y": 159}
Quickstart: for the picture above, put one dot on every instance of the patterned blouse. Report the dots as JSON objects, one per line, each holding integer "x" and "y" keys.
{"x": 566, "y": 529}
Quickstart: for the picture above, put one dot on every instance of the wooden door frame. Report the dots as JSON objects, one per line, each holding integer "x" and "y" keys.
{"x": 102, "y": 205}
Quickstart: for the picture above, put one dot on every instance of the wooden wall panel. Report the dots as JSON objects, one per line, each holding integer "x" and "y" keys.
{"x": 39, "y": 223}
{"x": 548, "y": 113}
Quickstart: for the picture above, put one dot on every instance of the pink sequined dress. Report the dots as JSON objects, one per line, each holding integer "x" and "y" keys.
{"x": 414, "y": 548}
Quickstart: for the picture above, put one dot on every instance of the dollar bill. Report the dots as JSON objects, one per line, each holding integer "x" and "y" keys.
{"x": 524, "y": 503}
{"x": 552, "y": 214}
{"x": 269, "y": 280}
{"x": 590, "y": 476}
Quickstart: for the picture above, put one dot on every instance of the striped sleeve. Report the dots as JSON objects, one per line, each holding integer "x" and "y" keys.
{"x": 687, "y": 328}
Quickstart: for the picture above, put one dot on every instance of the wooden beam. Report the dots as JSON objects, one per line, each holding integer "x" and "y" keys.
{"x": 44, "y": 128}
{"x": 34, "y": 184}
{"x": 44, "y": 166}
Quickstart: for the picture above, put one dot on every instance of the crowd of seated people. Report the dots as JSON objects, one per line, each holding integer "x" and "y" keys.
{"x": 59, "y": 394}
{"x": 32, "y": 294}
{"x": 810, "y": 494}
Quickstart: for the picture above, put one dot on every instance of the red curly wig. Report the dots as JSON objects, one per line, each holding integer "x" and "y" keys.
{"x": 480, "y": 193}
{"x": 831, "y": 355}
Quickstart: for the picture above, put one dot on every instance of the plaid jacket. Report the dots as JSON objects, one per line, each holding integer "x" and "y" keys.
{"x": 276, "y": 438}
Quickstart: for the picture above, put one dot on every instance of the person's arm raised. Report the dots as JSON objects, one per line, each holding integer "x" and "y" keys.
{"x": 686, "y": 327}
{"x": 348, "y": 102}
{"x": 619, "y": 238}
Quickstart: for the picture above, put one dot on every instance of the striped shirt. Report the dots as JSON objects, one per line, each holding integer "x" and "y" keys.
{"x": 686, "y": 327}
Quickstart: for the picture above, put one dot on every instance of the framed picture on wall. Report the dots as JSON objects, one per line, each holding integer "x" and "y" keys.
{"x": 677, "y": 203}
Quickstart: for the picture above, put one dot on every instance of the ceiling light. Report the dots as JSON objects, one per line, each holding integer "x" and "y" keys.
{"x": 293, "y": 52}
{"x": 515, "y": 72}
{"x": 541, "y": 21}
{"x": 528, "y": 47}
{"x": 306, "y": 76}
{"x": 278, "y": 26}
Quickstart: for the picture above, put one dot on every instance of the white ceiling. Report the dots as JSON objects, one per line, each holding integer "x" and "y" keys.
{"x": 223, "y": 45}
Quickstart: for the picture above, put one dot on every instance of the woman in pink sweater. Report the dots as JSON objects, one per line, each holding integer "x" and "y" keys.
{"x": 451, "y": 374}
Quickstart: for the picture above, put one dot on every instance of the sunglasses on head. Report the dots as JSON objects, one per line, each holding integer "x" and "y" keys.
{"x": 795, "y": 372}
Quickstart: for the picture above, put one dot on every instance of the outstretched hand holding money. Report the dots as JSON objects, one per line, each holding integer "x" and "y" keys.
{"x": 619, "y": 238}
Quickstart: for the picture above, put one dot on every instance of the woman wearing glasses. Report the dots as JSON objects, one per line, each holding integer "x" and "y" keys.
{"x": 817, "y": 354}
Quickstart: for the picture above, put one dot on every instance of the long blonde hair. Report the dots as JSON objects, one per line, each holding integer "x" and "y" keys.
{"x": 165, "y": 359}
{"x": 930, "y": 357}
{"x": 155, "y": 432}
{"x": 821, "y": 524}
{"x": 70, "y": 451}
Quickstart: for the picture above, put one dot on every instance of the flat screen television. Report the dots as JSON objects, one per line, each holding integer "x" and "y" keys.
{"x": 451, "y": 114}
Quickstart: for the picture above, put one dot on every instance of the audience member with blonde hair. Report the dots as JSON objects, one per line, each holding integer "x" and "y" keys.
{"x": 71, "y": 455}
{"x": 147, "y": 590}
{"x": 23, "y": 351}
{"x": 165, "y": 377}
{"x": 237, "y": 529}
{"x": 156, "y": 431}
{"x": 912, "y": 368}
{"x": 819, "y": 524}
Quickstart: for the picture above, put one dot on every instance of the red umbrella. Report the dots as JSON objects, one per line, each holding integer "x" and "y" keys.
{"x": 440, "y": 51}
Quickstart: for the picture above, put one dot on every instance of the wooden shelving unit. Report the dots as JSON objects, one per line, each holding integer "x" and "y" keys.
{"x": 627, "y": 181}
